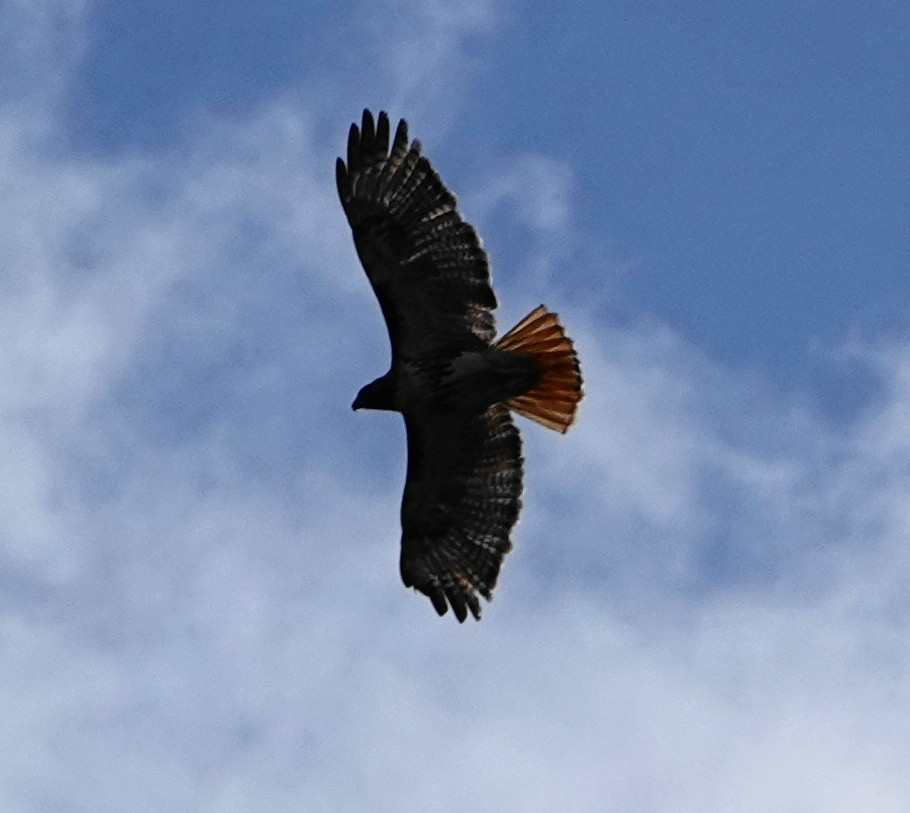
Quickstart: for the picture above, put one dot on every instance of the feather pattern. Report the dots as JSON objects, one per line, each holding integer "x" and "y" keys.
{"x": 461, "y": 500}
{"x": 553, "y": 401}
{"x": 426, "y": 265}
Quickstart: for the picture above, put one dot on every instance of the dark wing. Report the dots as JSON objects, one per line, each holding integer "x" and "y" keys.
{"x": 461, "y": 501}
{"x": 426, "y": 265}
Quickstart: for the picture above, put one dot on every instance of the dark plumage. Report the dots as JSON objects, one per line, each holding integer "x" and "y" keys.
{"x": 451, "y": 381}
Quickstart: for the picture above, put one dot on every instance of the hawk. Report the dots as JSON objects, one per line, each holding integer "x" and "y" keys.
{"x": 455, "y": 384}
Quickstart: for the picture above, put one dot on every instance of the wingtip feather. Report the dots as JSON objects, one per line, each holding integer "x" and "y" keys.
{"x": 341, "y": 180}
{"x": 353, "y": 148}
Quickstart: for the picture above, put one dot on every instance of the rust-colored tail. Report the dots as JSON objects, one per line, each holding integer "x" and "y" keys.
{"x": 555, "y": 398}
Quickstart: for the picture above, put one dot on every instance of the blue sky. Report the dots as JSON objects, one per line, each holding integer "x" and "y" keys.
{"x": 707, "y": 606}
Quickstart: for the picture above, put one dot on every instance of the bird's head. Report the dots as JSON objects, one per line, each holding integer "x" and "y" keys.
{"x": 378, "y": 394}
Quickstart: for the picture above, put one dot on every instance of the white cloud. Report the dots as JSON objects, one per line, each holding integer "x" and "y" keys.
{"x": 39, "y": 42}
{"x": 427, "y": 51}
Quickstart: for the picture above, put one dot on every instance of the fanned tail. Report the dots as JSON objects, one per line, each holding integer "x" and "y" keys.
{"x": 554, "y": 401}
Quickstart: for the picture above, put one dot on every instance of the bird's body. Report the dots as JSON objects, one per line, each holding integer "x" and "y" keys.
{"x": 452, "y": 381}
{"x": 472, "y": 380}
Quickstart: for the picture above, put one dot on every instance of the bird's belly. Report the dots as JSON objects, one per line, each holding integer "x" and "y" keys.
{"x": 478, "y": 380}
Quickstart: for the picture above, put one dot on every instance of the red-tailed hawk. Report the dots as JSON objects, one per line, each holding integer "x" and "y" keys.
{"x": 453, "y": 382}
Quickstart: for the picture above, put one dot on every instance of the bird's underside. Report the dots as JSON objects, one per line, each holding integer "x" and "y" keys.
{"x": 454, "y": 384}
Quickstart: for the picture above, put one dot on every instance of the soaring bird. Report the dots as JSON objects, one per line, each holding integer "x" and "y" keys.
{"x": 452, "y": 380}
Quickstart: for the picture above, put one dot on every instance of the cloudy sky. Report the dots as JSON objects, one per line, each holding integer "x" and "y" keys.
{"x": 708, "y": 606}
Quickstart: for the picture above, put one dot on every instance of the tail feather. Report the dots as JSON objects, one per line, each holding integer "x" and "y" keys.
{"x": 554, "y": 401}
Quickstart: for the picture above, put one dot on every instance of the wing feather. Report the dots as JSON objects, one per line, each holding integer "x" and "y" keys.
{"x": 427, "y": 266}
{"x": 461, "y": 500}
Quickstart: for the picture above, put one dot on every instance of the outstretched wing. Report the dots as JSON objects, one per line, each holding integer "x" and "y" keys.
{"x": 426, "y": 265}
{"x": 461, "y": 500}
